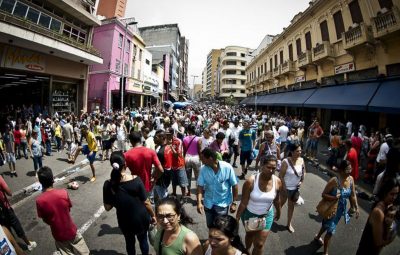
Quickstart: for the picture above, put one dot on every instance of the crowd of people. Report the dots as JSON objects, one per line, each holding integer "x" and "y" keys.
{"x": 151, "y": 150}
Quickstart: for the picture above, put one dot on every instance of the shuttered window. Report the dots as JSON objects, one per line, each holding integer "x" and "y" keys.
{"x": 281, "y": 57}
{"x": 355, "y": 12}
{"x": 338, "y": 19}
{"x": 324, "y": 31}
{"x": 298, "y": 46}
{"x": 308, "y": 41}
{"x": 290, "y": 47}
{"x": 388, "y": 4}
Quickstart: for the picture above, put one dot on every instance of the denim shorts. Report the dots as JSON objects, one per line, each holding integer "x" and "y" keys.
{"x": 86, "y": 151}
{"x": 179, "y": 178}
{"x": 212, "y": 213}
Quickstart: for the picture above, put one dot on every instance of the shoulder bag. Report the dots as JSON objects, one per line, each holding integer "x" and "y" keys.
{"x": 256, "y": 223}
{"x": 327, "y": 208}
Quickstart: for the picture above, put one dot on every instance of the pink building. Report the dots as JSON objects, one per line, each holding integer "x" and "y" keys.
{"x": 114, "y": 41}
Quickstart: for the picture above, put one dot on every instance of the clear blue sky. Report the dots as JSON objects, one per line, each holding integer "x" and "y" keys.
{"x": 212, "y": 24}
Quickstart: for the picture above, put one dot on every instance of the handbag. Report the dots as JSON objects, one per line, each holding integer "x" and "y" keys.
{"x": 256, "y": 223}
{"x": 327, "y": 208}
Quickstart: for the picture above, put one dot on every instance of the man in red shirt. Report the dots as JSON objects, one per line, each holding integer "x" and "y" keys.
{"x": 353, "y": 158}
{"x": 140, "y": 160}
{"x": 174, "y": 150}
{"x": 53, "y": 206}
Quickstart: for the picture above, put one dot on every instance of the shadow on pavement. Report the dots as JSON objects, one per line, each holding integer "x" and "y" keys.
{"x": 81, "y": 178}
{"x": 105, "y": 252}
{"x": 63, "y": 159}
{"x": 108, "y": 230}
{"x": 31, "y": 173}
{"x": 315, "y": 217}
{"x": 310, "y": 248}
{"x": 278, "y": 228}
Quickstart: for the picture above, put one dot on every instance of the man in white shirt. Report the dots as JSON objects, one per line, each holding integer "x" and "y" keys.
{"x": 349, "y": 128}
{"x": 382, "y": 155}
{"x": 235, "y": 130}
{"x": 283, "y": 134}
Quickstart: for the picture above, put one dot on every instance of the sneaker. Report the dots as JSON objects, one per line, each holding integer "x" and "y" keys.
{"x": 93, "y": 179}
{"x": 32, "y": 245}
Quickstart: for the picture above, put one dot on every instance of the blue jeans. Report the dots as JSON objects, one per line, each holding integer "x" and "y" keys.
{"x": 212, "y": 213}
{"x": 37, "y": 162}
{"x": 48, "y": 147}
{"x": 130, "y": 243}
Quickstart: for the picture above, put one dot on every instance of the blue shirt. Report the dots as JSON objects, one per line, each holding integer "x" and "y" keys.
{"x": 246, "y": 138}
{"x": 217, "y": 186}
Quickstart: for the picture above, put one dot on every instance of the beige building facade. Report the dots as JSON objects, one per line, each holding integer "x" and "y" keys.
{"x": 330, "y": 43}
{"x": 212, "y": 73}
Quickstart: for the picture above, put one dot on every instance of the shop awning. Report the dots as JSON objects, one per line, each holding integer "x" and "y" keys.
{"x": 268, "y": 99}
{"x": 293, "y": 98}
{"x": 386, "y": 98}
{"x": 344, "y": 97}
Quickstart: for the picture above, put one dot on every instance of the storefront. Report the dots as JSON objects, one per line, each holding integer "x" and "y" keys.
{"x": 46, "y": 83}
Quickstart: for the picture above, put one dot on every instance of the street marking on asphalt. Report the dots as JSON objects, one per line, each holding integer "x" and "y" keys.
{"x": 88, "y": 223}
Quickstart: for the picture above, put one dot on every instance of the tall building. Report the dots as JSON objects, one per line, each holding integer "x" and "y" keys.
{"x": 232, "y": 76}
{"x": 111, "y": 8}
{"x": 212, "y": 73}
{"x": 46, "y": 49}
{"x": 336, "y": 60}
{"x": 164, "y": 43}
{"x": 183, "y": 69}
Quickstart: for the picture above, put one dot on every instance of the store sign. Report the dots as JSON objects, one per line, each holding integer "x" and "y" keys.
{"x": 300, "y": 79}
{"x": 21, "y": 59}
{"x": 345, "y": 68}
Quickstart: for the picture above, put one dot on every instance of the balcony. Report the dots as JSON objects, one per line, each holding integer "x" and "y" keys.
{"x": 386, "y": 23}
{"x": 357, "y": 36}
{"x": 304, "y": 59}
{"x": 288, "y": 67}
{"x": 25, "y": 24}
{"x": 322, "y": 52}
{"x": 276, "y": 71}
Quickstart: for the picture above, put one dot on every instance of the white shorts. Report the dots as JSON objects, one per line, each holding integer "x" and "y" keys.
{"x": 10, "y": 157}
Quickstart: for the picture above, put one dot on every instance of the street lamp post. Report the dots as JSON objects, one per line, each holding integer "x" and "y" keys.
{"x": 123, "y": 77}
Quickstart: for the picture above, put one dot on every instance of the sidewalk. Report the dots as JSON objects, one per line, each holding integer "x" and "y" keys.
{"x": 320, "y": 163}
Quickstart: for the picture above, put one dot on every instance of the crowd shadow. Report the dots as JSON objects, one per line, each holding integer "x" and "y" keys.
{"x": 82, "y": 179}
{"x": 275, "y": 228}
{"x": 108, "y": 230}
{"x": 63, "y": 159}
{"x": 105, "y": 252}
{"x": 315, "y": 217}
{"x": 31, "y": 173}
{"x": 310, "y": 248}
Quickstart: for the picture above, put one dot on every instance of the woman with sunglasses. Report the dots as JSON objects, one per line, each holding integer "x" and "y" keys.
{"x": 172, "y": 236}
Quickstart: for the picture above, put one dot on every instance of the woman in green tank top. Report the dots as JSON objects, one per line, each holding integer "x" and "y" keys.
{"x": 172, "y": 237}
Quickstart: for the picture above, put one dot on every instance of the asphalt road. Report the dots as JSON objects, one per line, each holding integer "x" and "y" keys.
{"x": 102, "y": 235}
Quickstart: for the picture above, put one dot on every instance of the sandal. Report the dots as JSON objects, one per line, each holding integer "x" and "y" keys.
{"x": 290, "y": 229}
{"x": 319, "y": 240}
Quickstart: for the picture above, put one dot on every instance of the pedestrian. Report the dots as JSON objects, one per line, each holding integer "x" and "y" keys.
{"x": 259, "y": 194}
{"x": 89, "y": 150}
{"x": 205, "y": 140}
{"x": 173, "y": 237}
{"x": 106, "y": 138}
{"x": 223, "y": 237}
{"x": 191, "y": 149}
{"x": 375, "y": 235}
{"x": 234, "y": 145}
{"x": 17, "y": 142}
{"x": 54, "y": 206}
{"x": 335, "y": 143}
{"x": 140, "y": 160}
{"x": 292, "y": 174}
{"x": 8, "y": 218}
{"x": 221, "y": 147}
{"x": 269, "y": 147}
{"x": 121, "y": 135}
{"x": 247, "y": 140}
{"x": 218, "y": 184}
{"x": 127, "y": 194}
{"x": 163, "y": 182}
{"x": 36, "y": 151}
{"x": 392, "y": 168}
{"x": 341, "y": 188}
{"x": 175, "y": 151}
{"x": 58, "y": 135}
{"x": 68, "y": 136}
{"x": 8, "y": 138}
{"x": 352, "y": 157}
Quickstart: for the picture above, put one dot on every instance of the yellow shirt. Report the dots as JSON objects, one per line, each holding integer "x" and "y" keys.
{"x": 57, "y": 131}
{"x": 91, "y": 140}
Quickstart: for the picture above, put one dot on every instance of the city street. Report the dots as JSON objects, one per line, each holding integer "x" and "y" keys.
{"x": 102, "y": 235}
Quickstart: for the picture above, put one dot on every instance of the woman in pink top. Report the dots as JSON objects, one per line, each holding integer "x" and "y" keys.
{"x": 17, "y": 141}
{"x": 191, "y": 149}
{"x": 24, "y": 141}
{"x": 220, "y": 145}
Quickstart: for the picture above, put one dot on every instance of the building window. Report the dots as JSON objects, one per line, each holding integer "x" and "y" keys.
{"x": 290, "y": 49}
{"x": 265, "y": 66}
{"x": 120, "y": 40}
{"x": 262, "y": 68}
{"x": 298, "y": 46}
{"x": 230, "y": 63}
{"x": 230, "y": 71}
{"x": 117, "y": 66}
{"x": 388, "y": 4}
{"x": 44, "y": 20}
{"x": 308, "y": 41}
{"x": 355, "y": 12}
{"x": 270, "y": 64}
{"x": 338, "y": 19}
{"x": 276, "y": 60}
{"x": 242, "y": 82}
{"x": 20, "y": 10}
{"x": 281, "y": 57}
{"x": 7, "y": 5}
{"x": 242, "y": 55}
{"x": 242, "y": 91}
{"x": 33, "y": 15}
{"x": 243, "y": 63}
{"x": 231, "y": 53}
{"x": 128, "y": 46}
{"x": 242, "y": 73}
{"x": 147, "y": 62}
{"x": 324, "y": 31}
{"x": 140, "y": 54}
